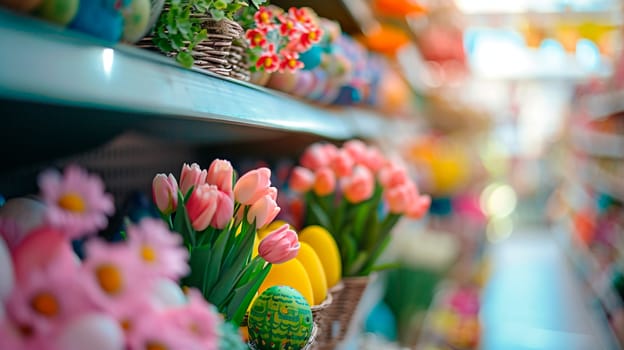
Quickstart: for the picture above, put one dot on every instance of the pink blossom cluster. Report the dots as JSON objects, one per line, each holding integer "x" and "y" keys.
{"x": 120, "y": 296}
{"x": 353, "y": 172}
{"x": 281, "y": 37}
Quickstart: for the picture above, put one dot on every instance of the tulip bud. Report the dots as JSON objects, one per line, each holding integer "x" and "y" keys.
{"x": 263, "y": 211}
{"x": 419, "y": 207}
{"x": 316, "y": 156}
{"x": 224, "y": 212}
{"x": 220, "y": 173}
{"x": 202, "y": 205}
{"x": 279, "y": 246}
{"x": 301, "y": 179}
{"x": 165, "y": 193}
{"x": 342, "y": 164}
{"x": 324, "y": 182}
{"x": 399, "y": 198}
{"x": 356, "y": 148}
{"x": 253, "y": 185}
{"x": 359, "y": 186}
{"x": 191, "y": 175}
{"x": 373, "y": 159}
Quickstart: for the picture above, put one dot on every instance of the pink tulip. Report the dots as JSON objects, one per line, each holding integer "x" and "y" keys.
{"x": 165, "y": 193}
{"x": 419, "y": 207}
{"x": 356, "y": 148}
{"x": 301, "y": 179}
{"x": 202, "y": 206}
{"x": 359, "y": 186}
{"x": 253, "y": 185}
{"x": 279, "y": 246}
{"x": 316, "y": 156}
{"x": 342, "y": 163}
{"x": 399, "y": 198}
{"x": 224, "y": 212}
{"x": 393, "y": 175}
{"x": 263, "y": 211}
{"x": 330, "y": 151}
{"x": 191, "y": 175}
{"x": 324, "y": 182}
{"x": 220, "y": 173}
{"x": 373, "y": 159}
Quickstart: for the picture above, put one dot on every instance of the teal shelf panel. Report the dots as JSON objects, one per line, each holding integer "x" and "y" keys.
{"x": 50, "y": 66}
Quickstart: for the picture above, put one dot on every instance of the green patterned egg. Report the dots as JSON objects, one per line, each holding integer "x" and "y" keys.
{"x": 280, "y": 318}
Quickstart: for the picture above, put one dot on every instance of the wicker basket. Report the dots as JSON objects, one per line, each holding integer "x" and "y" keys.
{"x": 238, "y": 60}
{"x": 212, "y": 53}
{"x": 308, "y": 346}
{"x": 337, "y": 317}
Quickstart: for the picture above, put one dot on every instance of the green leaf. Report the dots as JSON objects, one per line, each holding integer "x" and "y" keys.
{"x": 220, "y": 5}
{"x": 320, "y": 216}
{"x": 357, "y": 264}
{"x": 216, "y": 259}
{"x": 217, "y": 14}
{"x": 244, "y": 294}
{"x": 375, "y": 254}
{"x": 182, "y": 223}
{"x": 185, "y": 59}
{"x": 348, "y": 251}
{"x": 198, "y": 262}
{"x": 242, "y": 247}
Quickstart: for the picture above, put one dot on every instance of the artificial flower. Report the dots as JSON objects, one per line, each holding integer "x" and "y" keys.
{"x": 279, "y": 246}
{"x": 269, "y": 60}
{"x": 165, "y": 193}
{"x": 76, "y": 201}
{"x": 256, "y": 38}
{"x": 220, "y": 174}
{"x": 202, "y": 205}
{"x": 252, "y": 185}
{"x": 192, "y": 176}
{"x": 324, "y": 182}
{"x": 159, "y": 249}
{"x": 290, "y": 61}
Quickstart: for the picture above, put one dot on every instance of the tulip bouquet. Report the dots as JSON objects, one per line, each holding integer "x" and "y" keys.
{"x": 277, "y": 38}
{"x": 358, "y": 195}
{"x": 218, "y": 216}
{"x": 122, "y": 295}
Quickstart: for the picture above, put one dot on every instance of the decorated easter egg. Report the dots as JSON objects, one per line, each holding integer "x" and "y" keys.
{"x": 92, "y": 331}
{"x": 312, "y": 58}
{"x": 280, "y": 319}
{"x": 58, "y": 11}
{"x": 136, "y": 20}
{"x": 20, "y": 5}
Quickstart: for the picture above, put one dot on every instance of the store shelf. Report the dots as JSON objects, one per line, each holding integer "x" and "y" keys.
{"x": 47, "y": 66}
{"x": 596, "y": 143}
{"x": 601, "y": 180}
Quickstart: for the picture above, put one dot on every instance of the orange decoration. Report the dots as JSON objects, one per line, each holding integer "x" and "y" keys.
{"x": 385, "y": 39}
{"x": 398, "y": 8}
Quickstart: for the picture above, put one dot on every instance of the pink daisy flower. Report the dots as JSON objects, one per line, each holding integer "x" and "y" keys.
{"x": 48, "y": 297}
{"x": 290, "y": 62}
{"x": 111, "y": 274}
{"x": 11, "y": 337}
{"x": 76, "y": 201}
{"x": 269, "y": 60}
{"x": 159, "y": 250}
{"x": 256, "y": 38}
{"x": 198, "y": 319}
{"x": 159, "y": 332}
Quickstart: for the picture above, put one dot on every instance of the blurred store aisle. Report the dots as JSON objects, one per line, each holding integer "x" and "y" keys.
{"x": 534, "y": 299}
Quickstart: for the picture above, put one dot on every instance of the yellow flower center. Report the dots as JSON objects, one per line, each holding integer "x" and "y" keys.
{"x": 264, "y": 17}
{"x": 258, "y": 39}
{"x": 110, "y": 279}
{"x": 148, "y": 254}
{"x": 126, "y": 325}
{"x": 268, "y": 62}
{"x": 155, "y": 346}
{"x": 45, "y": 304}
{"x": 312, "y": 35}
{"x": 195, "y": 329}
{"x": 290, "y": 25}
{"x": 292, "y": 63}
{"x": 72, "y": 201}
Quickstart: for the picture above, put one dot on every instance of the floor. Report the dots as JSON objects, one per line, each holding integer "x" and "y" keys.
{"x": 535, "y": 300}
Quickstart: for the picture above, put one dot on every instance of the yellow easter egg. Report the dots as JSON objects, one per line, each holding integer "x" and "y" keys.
{"x": 326, "y": 248}
{"x": 292, "y": 274}
{"x": 312, "y": 264}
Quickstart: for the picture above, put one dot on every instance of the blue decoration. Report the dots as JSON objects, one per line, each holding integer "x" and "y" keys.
{"x": 441, "y": 206}
{"x": 381, "y": 321}
{"x": 101, "y": 18}
{"x": 312, "y": 58}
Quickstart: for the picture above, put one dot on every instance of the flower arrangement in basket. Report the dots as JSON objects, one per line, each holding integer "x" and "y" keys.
{"x": 218, "y": 216}
{"x": 358, "y": 196}
{"x": 200, "y": 32}
{"x": 122, "y": 295}
{"x": 276, "y": 38}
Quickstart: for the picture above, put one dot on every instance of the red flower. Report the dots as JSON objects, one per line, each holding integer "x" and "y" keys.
{"x": 300, "y": 15}
{"x": 288, "y": 26}
{"x": 290, "y": 62}
{"x": 268, "y": 61}
{"x": 311, "y": 36}
{"x": 256, "y": 38}
{"x": 264, "y": 18}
